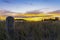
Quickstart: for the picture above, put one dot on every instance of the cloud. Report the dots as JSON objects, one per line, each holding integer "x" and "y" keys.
{"x": 8, "y": 1}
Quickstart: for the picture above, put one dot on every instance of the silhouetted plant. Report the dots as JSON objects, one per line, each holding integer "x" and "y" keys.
{"x": 49, "y": 30}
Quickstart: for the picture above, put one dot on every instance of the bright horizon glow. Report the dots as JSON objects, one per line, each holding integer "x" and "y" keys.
{"x": 29, "y": 5}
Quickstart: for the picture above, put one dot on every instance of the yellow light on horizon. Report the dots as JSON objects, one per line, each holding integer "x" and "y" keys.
{"x": 38, "y": 17}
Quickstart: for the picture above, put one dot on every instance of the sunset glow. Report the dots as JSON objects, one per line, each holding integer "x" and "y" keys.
{"x": 39, "y": 9}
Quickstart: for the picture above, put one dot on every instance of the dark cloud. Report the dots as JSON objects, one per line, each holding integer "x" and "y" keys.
{"x": 8, "y": 1}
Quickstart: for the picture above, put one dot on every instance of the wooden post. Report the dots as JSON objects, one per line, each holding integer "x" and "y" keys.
{"x": 10, "y": 27}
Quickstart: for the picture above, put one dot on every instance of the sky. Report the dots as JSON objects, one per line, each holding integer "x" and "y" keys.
{"x": 29, "y": 5}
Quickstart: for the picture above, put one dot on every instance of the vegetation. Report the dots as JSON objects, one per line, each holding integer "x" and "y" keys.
{"x": 47, "y": 29}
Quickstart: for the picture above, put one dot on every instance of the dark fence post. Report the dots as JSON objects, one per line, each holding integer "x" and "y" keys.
{"x": 10, "y": 27}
